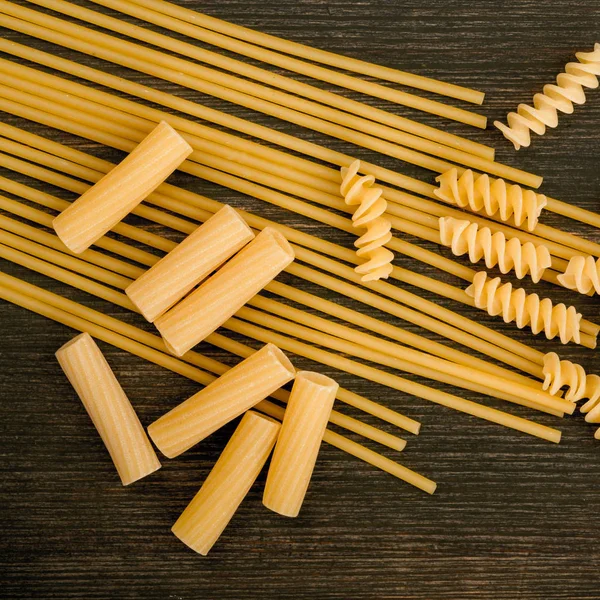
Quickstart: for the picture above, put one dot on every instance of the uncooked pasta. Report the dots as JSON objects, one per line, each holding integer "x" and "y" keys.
{"x": 204, "y": 250}
{"x": 206, "y": 516}
{"x": 306, "y": 416}
{"x": 525, "y": 309}
{"x": 465, "y": 237}
{"x": 122, "y": 189}
{"x": 236, "y": 391}
{"x": 482, "y": 193}
{"x": 582, "y": 274}
{"x": 220, "y": 296}
{"x": 109, "y": 408}
{"x": 370, "y": 207}
{"x": 568, "y": 90}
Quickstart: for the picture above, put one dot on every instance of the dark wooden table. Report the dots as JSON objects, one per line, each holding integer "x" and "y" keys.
{"x": 514, "y": 517}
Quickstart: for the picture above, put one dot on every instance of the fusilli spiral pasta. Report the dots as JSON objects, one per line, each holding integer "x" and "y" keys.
{"x": 582, "y": 274}
{"x": 466, "y": 237}
{"x": 560, "y": 97}
{"x": 482, "y": 193}
{"x": 559, "y": 373}
{"x": 359, "y": 191}
{"x": 525, "y": 309}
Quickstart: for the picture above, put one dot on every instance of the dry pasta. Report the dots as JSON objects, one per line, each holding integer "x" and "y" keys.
{"x": 306, "y": 416}
{"x": 206, "y": 516}
{"x": 220, "y": 296}
{"x": 109, "y": 408}
{"x": 482, "y": 193}
{"x": 525, "y": 309}
{"x": 463, "y": 237}
{"x": 371, "y": 206}
{"x": 236, "y": 391}
{"x": 204, "y": 250}
{"x": 568, "y": 90}
{"x": 564, "y": 373}
{"x": 582, "y": 274}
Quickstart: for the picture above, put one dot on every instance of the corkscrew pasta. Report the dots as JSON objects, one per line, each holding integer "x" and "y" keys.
{"x": 569, "y": 90}
{"x": 464, "y": 237}
{"x": 482, "y": 193}
{"x": 525, "y": 309}
{"x": 559, "y": 373}
{"x": 359, "y": 191}
{"x": 582, "y": 274}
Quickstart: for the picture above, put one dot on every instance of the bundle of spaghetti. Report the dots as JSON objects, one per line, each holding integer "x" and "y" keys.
{"x": 301, "y": 349}
{"x": 564, "y": 373}
{"x": 464, "y": 237}
{"x": 569, "y": 90}
{"x": 526, "y": 309}
{"x": 359, "y": 191}
{"x": 528, "y": 364}
{"x": 232, "y": 32}
{"x": 582, "y": 274}
{"x": 131, "y": 339}
{"x": 234, "y": 66}
{"x": 186, "y": 74}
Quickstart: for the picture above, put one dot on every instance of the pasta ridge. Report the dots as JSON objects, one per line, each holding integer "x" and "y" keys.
{"x": 482, "y": 193}
{"x": 559, "y": 373}
{"x": 463, "y": 237}
{"x": 525, "y": 309}
{"x": 568, "y": 90}
{"x": 371, "y": 206}
{"x": 582, "y": 274}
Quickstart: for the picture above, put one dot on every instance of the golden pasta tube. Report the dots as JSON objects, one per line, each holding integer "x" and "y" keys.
{"x": 107, "y": 202}
{"x": 223, "y": 294}
{"x": 304, "y": 423}
{"x": 204, "y": 250}
{"x": 223, "y": 400}
{"x": 211, "y": 509}
{"x": 109, "y": 408}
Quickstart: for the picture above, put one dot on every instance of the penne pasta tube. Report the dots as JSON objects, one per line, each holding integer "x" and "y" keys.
{"x": 204, "y": 250}
{"x": 105, "y": 204}
{"x": 109, "y": 408}
{"x": 304, "y": 423}
{"x": 226, "y": 398}
{"x": 206, "y": 516}
{"x": 223, "y": 294}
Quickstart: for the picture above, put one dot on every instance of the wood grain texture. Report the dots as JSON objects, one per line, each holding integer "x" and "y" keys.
{"x": 513, "y": 517}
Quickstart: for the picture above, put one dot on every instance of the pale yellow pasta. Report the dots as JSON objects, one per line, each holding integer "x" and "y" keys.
{"x": 359, "y": 191}
{"x": 482, "y": 193}
{"x": 582, "y": 274}
{"x": 568, "y": 90}
{"x": 226, "y": 398}
{"x": 206, "y": 516}
{"x": 109, "y": 408}
{"x": 107, "y": 202}
{"x": 204, "y": 250}
{"x": 304, "y": 423}
{"x": 463, "y": 237}
{"x": 223, "y": 294}
{"x": 525, "y": 309}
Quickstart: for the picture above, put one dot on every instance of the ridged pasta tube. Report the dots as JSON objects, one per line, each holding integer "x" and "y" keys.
{"x": 112, "y": 198}
{"x": 304, "y": 423}
{"x": 108, "y": 407}
{"x": 569, "y": 90}
{"x": 206, "y": 516}
{"x": 359, "y": 191}
{"x": 525, "y": 309}
{"x": 464, "y": 237}
{"x": 226, "y": 398}
{"x": 582, "y": 274}
{"x": 559, "y": 373}
{"x": 485, "y": 194}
